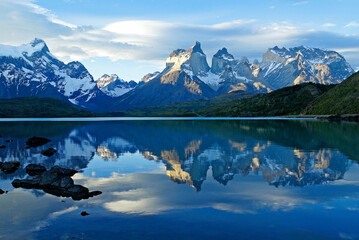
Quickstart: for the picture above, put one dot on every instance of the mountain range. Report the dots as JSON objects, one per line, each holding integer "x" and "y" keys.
{"x": 31, "y": 70}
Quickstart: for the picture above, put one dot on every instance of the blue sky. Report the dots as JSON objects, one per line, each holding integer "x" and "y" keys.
{"x": 134, "y": 37}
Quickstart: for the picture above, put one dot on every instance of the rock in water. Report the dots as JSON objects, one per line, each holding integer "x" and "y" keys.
{"x": 63, "y": 171}
{"x": 37, "y": 141}
{"x": 84, "y": 214}
{"x": 35, "y": 169}
{"x": 1, "y": 191}
{"x": 2, "y": 146}
{"x": 48, "y": 152}
{"x": 9, "y": 167}
{"x": 56, "y": 181}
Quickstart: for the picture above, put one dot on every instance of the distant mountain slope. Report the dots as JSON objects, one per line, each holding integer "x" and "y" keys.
{"x": 286, "y": 101}
{"x": 39, "y": 107}
{"x": 31, "y": 70}
{"x": 114, "y": 86}
{"x": 342, "y": 99}
{"x": 182, "y": 109}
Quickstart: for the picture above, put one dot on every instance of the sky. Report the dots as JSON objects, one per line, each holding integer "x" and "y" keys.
{"x": 134, "y": 37}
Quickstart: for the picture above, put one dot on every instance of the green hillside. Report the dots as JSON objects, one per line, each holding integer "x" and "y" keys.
{"x": 286, "y": 101}
{"x": 39, "y": 108}
{"x": 342, "y": 99}
{"x": 182, "y": 109}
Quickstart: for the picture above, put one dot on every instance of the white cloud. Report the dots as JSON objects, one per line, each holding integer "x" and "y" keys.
{"x": 327, "y": 25}
{"x": 352, "y": 24}
{"x": 300, "y": 3}
{"x": 149, "y": 40}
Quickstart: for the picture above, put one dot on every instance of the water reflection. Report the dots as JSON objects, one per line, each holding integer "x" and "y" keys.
{"x": 247, "y": 174}
{"x": 295, "y": 153}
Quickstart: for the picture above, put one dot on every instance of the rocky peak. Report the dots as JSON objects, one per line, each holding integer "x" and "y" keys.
{"x": 77, "y": 70}
{"x": 193, "y": 61}
{"x": 148, "y": 77}
{"x": 177, "y": 52}
{"x": 244, "y": 60}
{"x": 107, "y": 79}
{"x": 113, "y": 86}
{"x": 276, "y": 54}
{"x": 220, "y": 60}
{"x": 196, "y": 48}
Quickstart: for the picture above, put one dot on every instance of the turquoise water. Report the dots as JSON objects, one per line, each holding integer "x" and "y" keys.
{"x": 187, "y": 179}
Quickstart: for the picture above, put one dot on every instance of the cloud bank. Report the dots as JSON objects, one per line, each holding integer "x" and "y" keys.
{"x": 149, "y": 40}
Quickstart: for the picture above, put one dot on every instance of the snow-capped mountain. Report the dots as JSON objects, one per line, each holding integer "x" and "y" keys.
{"x": 114, "y": 86}
{"x": 31, "y": 70}
{"x": 187, "y": 75}
{"x": 179, "y": 81}
{"x": 283, "y": 67}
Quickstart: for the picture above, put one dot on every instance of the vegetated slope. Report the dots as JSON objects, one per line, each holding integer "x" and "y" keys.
{"x": 286, "y": 101}
{"x": 39, "y": 107}
{"x": 342, "y": 99}
{"x": 183, "y": 109}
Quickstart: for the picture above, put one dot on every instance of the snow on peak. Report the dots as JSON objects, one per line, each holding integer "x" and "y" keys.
{"x": 107, "y": 79}
{"x": 25, "y": 50}
{"x": 148, "y": 77}
{"x": 193, "y": 61}
{"x": 223, "y": 53}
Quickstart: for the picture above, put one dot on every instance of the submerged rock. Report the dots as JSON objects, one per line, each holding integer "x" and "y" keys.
{"x": 35, "y": 169}
{"x": 37, "y": 141}
{"x": 56, "y": 181}
{"x": 9, "y": 167}
{"x": 48, "y": 152}
{"x": 2, "y": 146}
{"x": 9, "y": 141}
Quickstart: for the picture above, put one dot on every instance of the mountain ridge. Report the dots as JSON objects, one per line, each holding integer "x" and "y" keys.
{"x": 31, "y": 70}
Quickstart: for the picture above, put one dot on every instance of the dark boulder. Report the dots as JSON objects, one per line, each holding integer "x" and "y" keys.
{"x": 37, "y": 141}
{"x": 9, "y": 141}
{"x": 2, "y": 146}
{"x": 1, "y": 191}
{"x": 48, "y": 152}
{"x": 84, "y": 214}
{"x": 9, "y": 167}
{"x": 62, "y": 171}
{"x": 56, "y": 181}
{"x": 35, "y": 169}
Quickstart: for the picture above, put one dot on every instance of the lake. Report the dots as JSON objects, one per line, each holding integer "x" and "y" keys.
{"x": 187, "y": 179}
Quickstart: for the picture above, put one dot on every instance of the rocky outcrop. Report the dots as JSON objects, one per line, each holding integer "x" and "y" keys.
{"x": 35, "y": 169}
{"x": 9, "y": 167}
{"x": 34, "y": 142}
{"x": 48, "y": 152}
{"x": 56, "y": 181}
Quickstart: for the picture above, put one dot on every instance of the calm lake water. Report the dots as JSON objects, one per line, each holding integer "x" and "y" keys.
{"x": 238, "y": 179}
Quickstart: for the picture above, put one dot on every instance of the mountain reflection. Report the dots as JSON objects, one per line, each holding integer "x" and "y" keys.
{"x": 285, "y": 153}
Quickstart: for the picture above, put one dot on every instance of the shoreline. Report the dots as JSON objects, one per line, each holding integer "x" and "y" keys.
{"x": 331, "y": 118}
